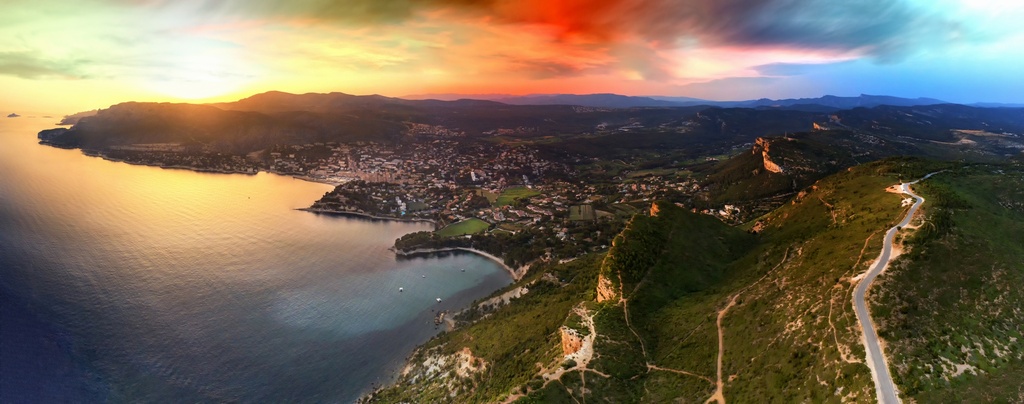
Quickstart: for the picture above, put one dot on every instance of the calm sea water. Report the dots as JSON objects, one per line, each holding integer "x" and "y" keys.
{"x": 131, "y": 283}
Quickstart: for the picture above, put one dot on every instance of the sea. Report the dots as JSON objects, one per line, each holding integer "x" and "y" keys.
{"x": 127, "y": 283}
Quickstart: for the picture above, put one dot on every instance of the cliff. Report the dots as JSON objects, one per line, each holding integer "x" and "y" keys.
{"x": 606, "y": 290}
{"x": 635, "y": 251}
{"x": 763, "y": 146}
{"x": 572, "y": 341}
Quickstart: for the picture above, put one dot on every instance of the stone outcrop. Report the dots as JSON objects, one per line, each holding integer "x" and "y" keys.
{"x": 466, "y": 364}
{"x": 572, "y": 341}
{"x": 763, "y": 145}
{"x": 605, "y": 289}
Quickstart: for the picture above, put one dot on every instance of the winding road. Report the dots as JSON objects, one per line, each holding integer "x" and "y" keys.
{"x": 884, "y": 386}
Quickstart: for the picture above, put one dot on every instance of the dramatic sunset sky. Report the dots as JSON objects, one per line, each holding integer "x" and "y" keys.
{"x": 64, "y": 56}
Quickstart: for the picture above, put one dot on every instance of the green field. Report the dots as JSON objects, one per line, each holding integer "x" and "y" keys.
{"x": 468, "y": 226}
{"x": 582, "y": 212}
{"x": 657, "y": 172}
{"x": 510, "y": 195}
{"x": 622, "y": 210}
{"x": 491, "y": 196}
{"x": 418, "y": 206}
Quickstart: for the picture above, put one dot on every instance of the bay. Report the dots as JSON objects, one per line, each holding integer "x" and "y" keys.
{"x": 134, "y": 283}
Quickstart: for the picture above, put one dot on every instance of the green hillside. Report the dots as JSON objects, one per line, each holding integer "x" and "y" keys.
{"x": 952, "y": 308}
{"x": 642, "y": 322}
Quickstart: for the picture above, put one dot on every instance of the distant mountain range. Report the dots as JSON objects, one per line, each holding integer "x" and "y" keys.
{"x": 820, "y": 104}
{"x": 271, "y": 118}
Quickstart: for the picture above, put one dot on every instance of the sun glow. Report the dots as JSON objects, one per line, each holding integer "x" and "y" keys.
{"x": 199, "y": 74}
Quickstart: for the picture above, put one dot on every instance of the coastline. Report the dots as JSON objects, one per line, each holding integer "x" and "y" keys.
{"x": 447, "y": 320}
{"x": 101, "y": 155}
{"x": 367, "y": 216}
{"x": 516, "y": 274}
{"x": 94, "y": 153}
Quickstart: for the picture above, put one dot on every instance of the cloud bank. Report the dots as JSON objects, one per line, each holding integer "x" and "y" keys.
{"x": 881, "y": 28}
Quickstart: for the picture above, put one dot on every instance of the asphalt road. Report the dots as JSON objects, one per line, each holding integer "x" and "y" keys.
{"x": 884, "y": 386}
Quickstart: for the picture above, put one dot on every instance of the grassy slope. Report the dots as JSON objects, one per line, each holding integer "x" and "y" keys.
{"x": 779, "y": 344}
{"x": 791, "y": 335}
{"x": 512, "y": 340}
{"x": 510, "y": 195}
{"x": 955, "y": 297}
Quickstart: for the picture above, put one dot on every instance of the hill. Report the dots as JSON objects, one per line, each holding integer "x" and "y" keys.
{"x": 277, "y": 118}
{"x": 776, "y": 167}
{"x": 596, "y": 100}
{"x": 231, "y": 131}
{"x": 644, "y": 321}
{"x": 950, "y": 308}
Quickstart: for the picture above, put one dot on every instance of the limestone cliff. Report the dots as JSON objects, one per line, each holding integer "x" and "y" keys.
{"x": 633, "y": 252}
{"x": 572, "y": 341}
{"x": 762, "y": 145}
{"x": 605, "y": 289}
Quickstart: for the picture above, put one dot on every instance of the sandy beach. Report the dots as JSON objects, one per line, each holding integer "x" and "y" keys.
{"x": 517, "y": 274}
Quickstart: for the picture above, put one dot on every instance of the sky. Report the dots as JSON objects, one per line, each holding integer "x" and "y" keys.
{"x": 68, "y": 56}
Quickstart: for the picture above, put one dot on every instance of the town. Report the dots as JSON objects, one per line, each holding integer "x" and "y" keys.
{"x": 477, "y": 193}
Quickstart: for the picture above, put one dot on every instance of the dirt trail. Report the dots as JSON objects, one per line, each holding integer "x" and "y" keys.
{"x": 845, "y": 353}
{"x": 831, "y": 209}
{"x": 625, "y": 308}
{"x": 682, "y": 372}
{"x": 582, "y": 357}
{"x": 719, "y": 395}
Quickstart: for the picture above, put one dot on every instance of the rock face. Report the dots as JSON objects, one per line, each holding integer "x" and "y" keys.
{"x": 466, "y": 364}
{"x": 572, "y": 341}
{"x": 763, "y": 146}
{"x": 605, "y": 289}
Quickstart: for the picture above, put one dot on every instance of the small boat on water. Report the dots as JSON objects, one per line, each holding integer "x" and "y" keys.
{"x": 439, "y": 300}
{"x": 401, "y": 289}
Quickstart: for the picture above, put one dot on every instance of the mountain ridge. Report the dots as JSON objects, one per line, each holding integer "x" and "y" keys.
{"x": 610, "y": 100}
